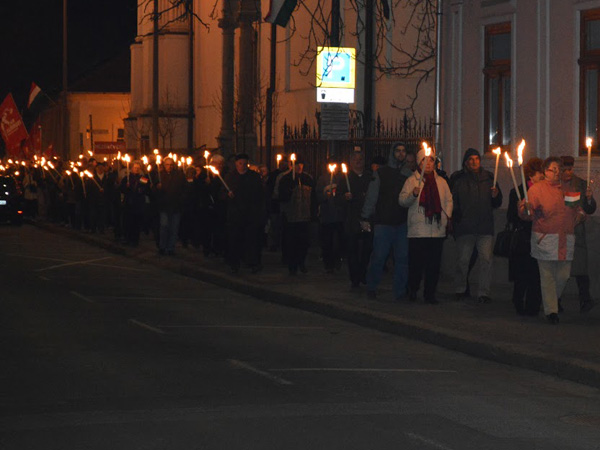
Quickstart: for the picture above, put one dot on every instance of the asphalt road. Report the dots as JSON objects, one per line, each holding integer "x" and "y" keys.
{"x": 102, "y": 352}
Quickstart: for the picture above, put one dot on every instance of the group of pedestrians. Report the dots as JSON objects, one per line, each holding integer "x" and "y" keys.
{"x": 393, "y": 215}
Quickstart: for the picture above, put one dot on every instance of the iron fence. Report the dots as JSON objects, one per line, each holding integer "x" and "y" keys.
{"x": 304, "y": 139}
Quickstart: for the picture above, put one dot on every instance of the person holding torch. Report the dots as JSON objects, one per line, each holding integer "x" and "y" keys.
{"x": 553, "y": 234}
{"x": 246, "y": 216}
{"x": 358, "y": 242}
{"x": 330, "y": 216}
{"x": 474, "y": 197}
{"x": 429, "y": 202}
{"x": 580, "y": 190}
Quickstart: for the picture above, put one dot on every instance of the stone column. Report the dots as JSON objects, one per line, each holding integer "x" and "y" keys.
{"x": 249, "y": 13}
{"x": 228, "y": 24}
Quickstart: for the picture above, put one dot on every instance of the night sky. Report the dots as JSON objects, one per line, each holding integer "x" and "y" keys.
{"x": 31, "y": 41}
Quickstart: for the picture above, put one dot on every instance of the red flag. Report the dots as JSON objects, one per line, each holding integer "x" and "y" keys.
{"x": 11, "y": 126}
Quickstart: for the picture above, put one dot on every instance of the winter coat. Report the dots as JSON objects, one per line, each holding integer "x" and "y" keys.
{"x": 553, "y": 231}
{"x": 248, "y": 202}
{"x": 580, "y": 258}
{"x": 170, "y": 193}
{"x": 381, "y": 202}
{"x": 330, "y": 208}
{"x": 352, "y": 208}
{"x": 473, "y": 202}
{"x": 418, "y": 226}
{"x": 297, "y": 196}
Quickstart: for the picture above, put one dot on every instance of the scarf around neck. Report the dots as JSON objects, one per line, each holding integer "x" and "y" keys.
{"x": 429, "y": 200}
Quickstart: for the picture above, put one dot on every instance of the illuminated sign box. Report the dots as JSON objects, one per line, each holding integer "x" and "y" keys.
{"x": 336, "y": 67}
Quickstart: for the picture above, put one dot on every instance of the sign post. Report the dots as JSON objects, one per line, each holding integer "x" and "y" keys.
{"x": 336, "y": 81}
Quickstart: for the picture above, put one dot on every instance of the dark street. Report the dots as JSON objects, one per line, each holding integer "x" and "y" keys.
{"x": 102, "y": 352}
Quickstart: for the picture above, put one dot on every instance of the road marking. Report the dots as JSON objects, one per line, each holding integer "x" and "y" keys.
{"x": 350, "y": 369}
{"x": 146, "y": 326}
{"x": 82, "y": 297}
{"x": 123, "y": 297}
{"x": 427, "y": 441}
{"x": 74, "y": 263}
{"x": 252, "y": 327}
{"x": 112, "y": 266}
{"x": 36, "y": 257}
{"x": 246, "y": 366}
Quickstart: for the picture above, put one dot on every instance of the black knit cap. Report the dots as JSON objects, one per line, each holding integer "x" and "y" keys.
{"x": 241, "y": 156}
{"x": 470, "y": 152}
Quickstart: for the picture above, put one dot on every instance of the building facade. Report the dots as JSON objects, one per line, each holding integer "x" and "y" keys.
{"x": 516, "y": 69}
{"x": 215, "y": 72}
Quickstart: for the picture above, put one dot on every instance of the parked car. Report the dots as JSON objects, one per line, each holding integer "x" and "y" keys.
{"x": 11, "y": 201}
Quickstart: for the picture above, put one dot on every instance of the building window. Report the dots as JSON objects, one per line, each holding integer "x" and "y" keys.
{"x": 589, "y": 67}
{"x": 497, "y": 128}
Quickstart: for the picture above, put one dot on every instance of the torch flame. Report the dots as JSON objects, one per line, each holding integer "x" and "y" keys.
{"x": 344, "y": 168}
{"x": 332, "y": 167}
{"x": 588, "y": 142}
{"x": 214, "y": 170}
{"x": 91, "y": 153}
{"x": 497, "y": 151}
{"x": 149, "y": 168}
{"x": 520, "y": 152}
{"x": 189, "y": 161}
{"x": 158, "y": 159}
{"x": 279, "y": 157}
{"x": 145, "y": 159}
{"x": 509, "y": 162}
{"x": 293, "y": 157}
{"x": 156, "y": 151}
{"x": 206, "y": 154}
{"x": 88, "y": 173}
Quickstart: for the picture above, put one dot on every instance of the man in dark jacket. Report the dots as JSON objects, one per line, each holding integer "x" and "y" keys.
{"x": 298, "y": 204}
{"x": 246, "y": 212}
{"x": 579, "y": 268}
{"x": 473, "y": 221}
{"x": 390, "y": 231}
{"x": 359, "y": 243}
{"x": 169, "y": 194}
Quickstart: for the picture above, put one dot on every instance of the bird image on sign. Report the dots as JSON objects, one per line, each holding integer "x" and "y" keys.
{"x": 336, "y": 67}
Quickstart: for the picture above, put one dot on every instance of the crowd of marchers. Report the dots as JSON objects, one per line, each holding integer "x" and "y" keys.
{"x": 390, "y": 215}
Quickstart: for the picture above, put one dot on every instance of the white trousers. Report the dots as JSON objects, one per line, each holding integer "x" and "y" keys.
{"x": 553, "y": 279}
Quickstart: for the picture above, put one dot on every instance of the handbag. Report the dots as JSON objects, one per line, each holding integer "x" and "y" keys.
{"x": 503, "y": 244}
{"x": 512, "y": 242}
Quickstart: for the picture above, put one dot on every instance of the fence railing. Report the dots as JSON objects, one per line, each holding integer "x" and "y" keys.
{"x": 304, "y": 139}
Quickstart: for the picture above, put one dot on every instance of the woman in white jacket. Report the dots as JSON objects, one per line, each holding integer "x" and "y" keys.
{"x": 429, "y": 206}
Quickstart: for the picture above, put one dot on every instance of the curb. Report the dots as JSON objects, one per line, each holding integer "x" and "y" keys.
{"x": 572, "y": 369}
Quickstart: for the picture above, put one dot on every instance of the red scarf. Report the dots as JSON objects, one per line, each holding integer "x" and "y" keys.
{"x": 430, "y": 199}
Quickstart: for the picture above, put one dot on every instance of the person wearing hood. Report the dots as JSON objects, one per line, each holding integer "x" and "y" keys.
{"x": 389, "y": 217}
{"x": 429, "y": 202}
{"x": 475, "y": 199}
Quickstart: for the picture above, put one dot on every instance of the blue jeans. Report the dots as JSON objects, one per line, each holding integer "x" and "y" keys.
{"x": 386, "y": 238}
{"x": 169, "y": 227}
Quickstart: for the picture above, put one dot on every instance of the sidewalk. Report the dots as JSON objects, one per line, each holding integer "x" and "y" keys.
{"x": 570, "y": 350}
